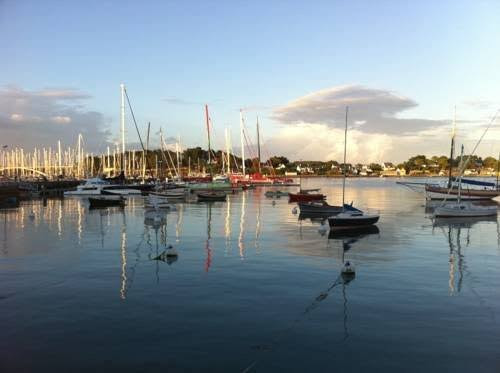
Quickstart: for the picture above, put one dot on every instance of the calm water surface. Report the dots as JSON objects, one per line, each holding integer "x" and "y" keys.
{"x": 254, "y": 288}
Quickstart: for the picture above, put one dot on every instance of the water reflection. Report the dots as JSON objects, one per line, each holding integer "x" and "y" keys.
{"x": 458, "y": 234}
{"x": 313, "y": 217}
{"x": 241, "y": 244}
{"x": 430, "y": 205}
{"x": 208, "y": 249}
{"x": 123, "y": 250}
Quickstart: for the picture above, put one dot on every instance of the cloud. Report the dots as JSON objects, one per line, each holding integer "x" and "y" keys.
{"x": 321, "y": 142}
{"x": 40, "y": 118}
{"x": 370, "y": 110}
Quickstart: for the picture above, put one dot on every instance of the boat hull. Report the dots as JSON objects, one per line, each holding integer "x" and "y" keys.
{"x": 339, "y": 221}
{"x": 211, "y": 196}
{"x": 301, "y": 197}
{"x": 318, "y": 208}
{"x": 454, "y": 211}
{"x": 440, "y": 193}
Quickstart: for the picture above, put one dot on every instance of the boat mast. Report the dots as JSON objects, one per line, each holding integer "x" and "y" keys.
{"x": 460, "y": 176}
{"x": 122, "y": 120}
{"x": 208, "y": 134}
{"x": 452, "y": 150}
{"x": 498, "y": 167}
{"x": 345, "y": 156}
{"x": 242, "y": 143}
{"x": 258, "y": 143}
{"x": 228, "y": 152}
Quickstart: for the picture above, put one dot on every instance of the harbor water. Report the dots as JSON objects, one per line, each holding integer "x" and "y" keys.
{"x": 254, "y": 288}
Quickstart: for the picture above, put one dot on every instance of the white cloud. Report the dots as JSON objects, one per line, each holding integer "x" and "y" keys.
{"x": 39, "y": 118}
{"x": 312, "y": 127}
{"x": 320, "y": 142}
{"x": 372, "y": 110}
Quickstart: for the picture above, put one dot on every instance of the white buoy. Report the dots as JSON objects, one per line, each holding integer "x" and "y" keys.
{"x": 348, "y": 269}
{"x": 171, "y": 252}
{"x": 294, "y": 210}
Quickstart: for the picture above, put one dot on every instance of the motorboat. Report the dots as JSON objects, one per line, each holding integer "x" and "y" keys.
{"x": 91, "y": 187}
{"x": 96, "y": 186}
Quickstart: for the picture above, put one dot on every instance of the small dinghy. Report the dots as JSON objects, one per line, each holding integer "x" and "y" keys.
{"x": 212, "y": 195}
{"x": 106, "y": 201}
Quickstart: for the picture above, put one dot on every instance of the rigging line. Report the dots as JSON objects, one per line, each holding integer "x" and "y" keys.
{"x": 248, "y": 141}
{"x": 315, "y": 303}
{"x": 133, "y": 117}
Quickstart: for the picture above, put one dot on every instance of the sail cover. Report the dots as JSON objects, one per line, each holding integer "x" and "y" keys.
{"x": 475, "y": 182}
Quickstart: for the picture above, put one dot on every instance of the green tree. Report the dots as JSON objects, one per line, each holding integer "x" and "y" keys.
{"x": 277, "y": 160}
{"x": 490, "y": 162}
{"x": 375, "y": 167}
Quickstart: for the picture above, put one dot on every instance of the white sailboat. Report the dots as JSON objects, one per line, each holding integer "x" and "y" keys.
{"x": 459, "y": 208}
{"x": 350, "y": 217}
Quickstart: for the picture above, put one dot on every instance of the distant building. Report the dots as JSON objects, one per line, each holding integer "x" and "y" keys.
{"x": 470, "y": 172}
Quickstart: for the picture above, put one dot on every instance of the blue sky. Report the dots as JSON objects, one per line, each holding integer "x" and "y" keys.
{"x": 258, "y": 54}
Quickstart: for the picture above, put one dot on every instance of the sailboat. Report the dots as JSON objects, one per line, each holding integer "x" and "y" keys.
{"x": 210, "y": 194}
{"x": 305, "y": 195}
{"x": 350, "y": 218}
{"x": 476, "y": 190}
{"x": 459, "y": 208}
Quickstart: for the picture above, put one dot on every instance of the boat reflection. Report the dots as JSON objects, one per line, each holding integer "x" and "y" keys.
{"x": 313, "y": 217}
{"x": 457, "y": 232}
{"x": 430, "y": 205}
{"x": 353, "y": 233}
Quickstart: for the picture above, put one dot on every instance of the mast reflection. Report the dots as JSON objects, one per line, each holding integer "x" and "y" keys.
{"x": 123, "y": 250}
{"x": 452, "y": 229}
{"x": 227, "y": 225}
{"x": 208, "y": 249}
{"x": 258, "y": 227}
{"x": 241, "y": 236}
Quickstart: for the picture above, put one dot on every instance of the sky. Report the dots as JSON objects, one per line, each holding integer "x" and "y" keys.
{"x": 401, "y": 66}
